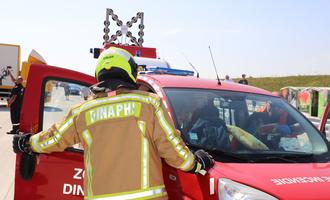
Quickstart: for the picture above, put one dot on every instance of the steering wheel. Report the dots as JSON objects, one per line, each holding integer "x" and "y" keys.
{"x": 247, "y": 139}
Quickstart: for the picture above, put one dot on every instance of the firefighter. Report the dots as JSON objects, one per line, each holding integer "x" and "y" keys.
{"x": 125, "y": 133}
{"x": 15, "y": 103}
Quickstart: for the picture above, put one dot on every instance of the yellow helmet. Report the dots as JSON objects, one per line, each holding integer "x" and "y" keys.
{"x": 116, "y": 63}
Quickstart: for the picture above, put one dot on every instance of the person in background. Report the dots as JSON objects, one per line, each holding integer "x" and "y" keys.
{"x": 85, "y": 92}
{"x": 15, "y": 103}
{"x": 66, "y": 91}
{"x": 228, "y": 79}
{"x": 243, "y": 80}
{"x": 125, "y": 133}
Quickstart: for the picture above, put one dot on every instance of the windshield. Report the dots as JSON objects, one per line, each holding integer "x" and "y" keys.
{"x": 244, "y": 124}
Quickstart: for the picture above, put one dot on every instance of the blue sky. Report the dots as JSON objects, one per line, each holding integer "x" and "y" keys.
{"x": 256, "y": 37}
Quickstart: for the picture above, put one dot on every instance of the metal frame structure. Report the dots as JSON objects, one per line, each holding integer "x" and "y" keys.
{"x": 123, "y": 32}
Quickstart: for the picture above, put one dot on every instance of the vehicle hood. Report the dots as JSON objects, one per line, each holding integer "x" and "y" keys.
{"x": 283, "y": 181}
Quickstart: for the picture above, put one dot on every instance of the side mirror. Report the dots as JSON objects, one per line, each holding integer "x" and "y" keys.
{"x": 27, "y": 166}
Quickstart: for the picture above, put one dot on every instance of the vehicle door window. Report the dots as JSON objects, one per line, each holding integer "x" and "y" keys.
{"x": 59, "y": 97}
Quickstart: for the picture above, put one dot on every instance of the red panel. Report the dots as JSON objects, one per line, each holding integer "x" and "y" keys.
{"x": 57, "y": 176}
{"x": 144, "y": 51}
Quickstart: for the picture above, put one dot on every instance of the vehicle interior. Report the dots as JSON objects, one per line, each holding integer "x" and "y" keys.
{"x": 242, "y": 123}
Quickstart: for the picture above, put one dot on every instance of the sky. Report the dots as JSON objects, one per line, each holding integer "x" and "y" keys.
{"x": 256, "y": 37}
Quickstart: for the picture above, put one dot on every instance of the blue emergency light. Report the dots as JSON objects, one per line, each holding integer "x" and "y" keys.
{"x": 164, "y": 70}
{"x": 137, "y": 53}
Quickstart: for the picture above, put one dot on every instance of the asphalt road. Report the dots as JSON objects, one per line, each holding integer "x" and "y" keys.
{"x": 7, "y": 157}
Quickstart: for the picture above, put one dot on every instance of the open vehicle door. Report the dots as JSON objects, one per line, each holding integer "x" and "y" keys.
{"x": 325, "y": 122}
{"x": 47, "y": 100}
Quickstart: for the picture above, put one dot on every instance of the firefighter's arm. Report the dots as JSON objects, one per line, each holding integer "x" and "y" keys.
{"x": 172, "y": 148}
{"x": 55, "y": 139}
{"x": 11, "y": 100}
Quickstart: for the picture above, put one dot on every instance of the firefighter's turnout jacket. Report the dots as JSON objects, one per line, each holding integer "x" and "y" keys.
{"x": 124, "y": 138}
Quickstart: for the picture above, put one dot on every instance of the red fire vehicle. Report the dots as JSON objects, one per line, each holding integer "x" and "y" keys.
{"x": 274, "y": 154}
{"x": 263, "y": 147}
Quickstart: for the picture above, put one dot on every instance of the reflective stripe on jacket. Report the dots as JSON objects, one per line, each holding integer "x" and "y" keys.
{"x": 124, "y": 138}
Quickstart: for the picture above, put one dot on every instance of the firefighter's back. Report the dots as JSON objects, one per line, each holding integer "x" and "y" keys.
{"x": 120, "y": 156}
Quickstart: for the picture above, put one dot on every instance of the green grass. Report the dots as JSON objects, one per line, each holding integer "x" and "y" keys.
{"x": 276, "y": 83}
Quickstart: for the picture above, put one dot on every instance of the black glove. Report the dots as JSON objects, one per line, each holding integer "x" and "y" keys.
{"x": 204, "y": 162}
{"x": 205, "y": 159}
{"x": 21, "y": 143}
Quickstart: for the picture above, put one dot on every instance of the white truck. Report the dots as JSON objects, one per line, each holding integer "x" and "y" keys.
{"x": 9, "y": 63}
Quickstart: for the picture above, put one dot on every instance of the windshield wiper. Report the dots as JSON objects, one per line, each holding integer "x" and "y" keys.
{"x": 287, "y": 156}
{"x": 235, "y": 156}
{"x": 219, "y": 153}
{"x": 272, "y": 158}
{"x": 257, "y": 156}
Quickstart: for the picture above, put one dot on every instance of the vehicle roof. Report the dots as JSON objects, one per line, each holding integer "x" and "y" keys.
{"x": 170, "y": 81}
